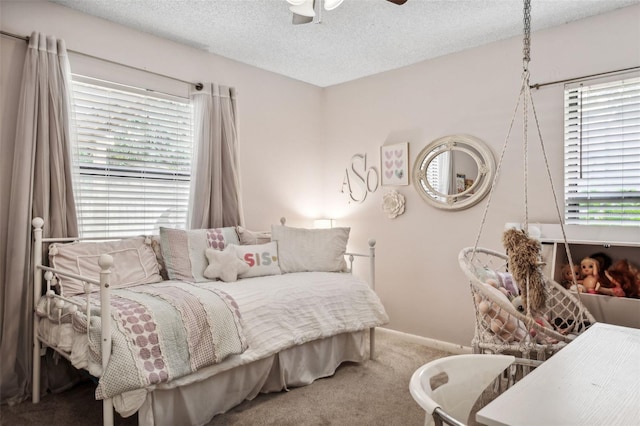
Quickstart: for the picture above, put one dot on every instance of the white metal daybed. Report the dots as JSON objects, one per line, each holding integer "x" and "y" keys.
{"x": 292, "y": 328}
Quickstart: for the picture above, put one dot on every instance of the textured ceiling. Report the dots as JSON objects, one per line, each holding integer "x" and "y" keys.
{"x": 359, "y": 38}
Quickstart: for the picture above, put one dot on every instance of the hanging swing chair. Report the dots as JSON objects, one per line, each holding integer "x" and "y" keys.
{"x": 518, "y": 310}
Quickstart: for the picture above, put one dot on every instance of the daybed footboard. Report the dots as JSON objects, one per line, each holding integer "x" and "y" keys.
{"x": 56, "y": 304}
{"x": 372, "y": 284}
{"x": 105, "y": 261}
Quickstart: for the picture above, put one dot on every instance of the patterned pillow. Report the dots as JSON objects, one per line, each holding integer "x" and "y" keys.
{"x": 184, "y": 250}
{"x": 134, "y": 263}
{"x": 301, "y": 250}
{"x": 261, "y": 258}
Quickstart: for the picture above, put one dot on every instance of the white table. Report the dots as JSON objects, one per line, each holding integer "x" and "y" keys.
{"x": 594, "y": 380}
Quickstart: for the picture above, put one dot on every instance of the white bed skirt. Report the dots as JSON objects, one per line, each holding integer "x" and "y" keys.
{"x": 198, "y": 402}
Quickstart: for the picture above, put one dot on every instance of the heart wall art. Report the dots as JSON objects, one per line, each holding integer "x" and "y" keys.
{"x": 394, "y": 165}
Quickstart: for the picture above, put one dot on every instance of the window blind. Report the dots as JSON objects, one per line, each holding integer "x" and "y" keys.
{"x": 602, "y": 153}
{"x": 132, "y": 159}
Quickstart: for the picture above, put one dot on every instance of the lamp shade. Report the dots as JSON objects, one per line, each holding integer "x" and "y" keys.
{"x": 332, "y": 4}
{"x": 323, "y": 223}
{"x": 304, "y": 9}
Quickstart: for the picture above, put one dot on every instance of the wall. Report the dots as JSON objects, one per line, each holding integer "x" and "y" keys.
{"x": 296, "y": 138}
{"x": 472, "y": 92}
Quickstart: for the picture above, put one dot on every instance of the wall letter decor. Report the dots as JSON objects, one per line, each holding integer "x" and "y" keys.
{"x": 365, "y": 178}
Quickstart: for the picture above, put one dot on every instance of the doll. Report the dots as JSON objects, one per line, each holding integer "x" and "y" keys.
{"x": 567, "y": 275}
{"x": 590, "y": 273}
{"x": 616, "y": 290}
{"x": 622, "y": 275}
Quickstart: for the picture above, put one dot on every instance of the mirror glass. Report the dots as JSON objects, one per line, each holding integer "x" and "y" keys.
{"x": 454, "y": 172}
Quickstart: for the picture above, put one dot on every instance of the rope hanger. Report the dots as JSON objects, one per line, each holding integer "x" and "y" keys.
{"x": 526, "y": 100}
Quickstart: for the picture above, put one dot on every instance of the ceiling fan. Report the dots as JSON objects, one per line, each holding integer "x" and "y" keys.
{"x": 304, "y": 10}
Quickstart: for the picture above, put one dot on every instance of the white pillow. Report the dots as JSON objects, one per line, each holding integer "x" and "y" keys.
{"x": 261, "y": 258}
{"x": 134, "y": 263}
{"x": 224, "y": 264}
{"x": 302, "y": 250}
{"x": 248, "y": 237}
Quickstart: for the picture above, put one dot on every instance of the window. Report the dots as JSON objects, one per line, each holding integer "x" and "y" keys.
{"x": 602, "y": 152}
{"x": 132, "y": 159}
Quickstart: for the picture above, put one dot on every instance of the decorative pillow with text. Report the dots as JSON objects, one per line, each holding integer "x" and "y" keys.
{"x": 261, "y": 258}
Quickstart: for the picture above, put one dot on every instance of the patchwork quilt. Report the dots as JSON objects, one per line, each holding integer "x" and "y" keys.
{"x": 161, "y": 332}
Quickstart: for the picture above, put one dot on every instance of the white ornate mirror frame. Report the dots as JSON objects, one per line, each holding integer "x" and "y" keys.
{"x": 428, "y": 175}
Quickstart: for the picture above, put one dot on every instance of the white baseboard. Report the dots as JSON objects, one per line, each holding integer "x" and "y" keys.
{"x": 426, "y": 341}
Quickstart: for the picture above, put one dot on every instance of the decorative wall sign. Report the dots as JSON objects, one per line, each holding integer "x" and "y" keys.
{"x": 394, "y": 163}
{"x": 359, "y": 179}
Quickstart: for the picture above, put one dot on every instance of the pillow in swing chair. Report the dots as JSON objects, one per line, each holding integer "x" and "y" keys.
{"x": 502, "y": 322}
{"x": 500, "y": 280}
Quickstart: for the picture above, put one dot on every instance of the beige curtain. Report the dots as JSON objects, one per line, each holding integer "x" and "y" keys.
{"x": 215, "y": 188}
{"x": 40, "y": 185}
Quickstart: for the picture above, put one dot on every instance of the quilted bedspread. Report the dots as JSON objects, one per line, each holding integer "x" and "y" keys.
{"x": 163, "y": 331}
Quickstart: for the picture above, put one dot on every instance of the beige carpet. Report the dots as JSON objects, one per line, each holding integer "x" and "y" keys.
{"x": 371, "y": 393}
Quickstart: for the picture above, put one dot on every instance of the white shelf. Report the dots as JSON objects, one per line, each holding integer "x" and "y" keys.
{"x": 617, "y": 242}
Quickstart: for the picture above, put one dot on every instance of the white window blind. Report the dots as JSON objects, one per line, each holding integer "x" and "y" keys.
{"x": 132, "y": 159}
{"x": 602, "y": 152}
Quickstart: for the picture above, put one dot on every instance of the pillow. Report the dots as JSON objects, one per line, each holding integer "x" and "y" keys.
{"x": 224, "y": 264}
{"x": 155, "y": 246}
{"x": 301, "y": 250}
{"x": 134, "y": 263}
{"x": 261, "y": 258}
{"x": 253, "y": 237}
{"x": 183, "y": 250}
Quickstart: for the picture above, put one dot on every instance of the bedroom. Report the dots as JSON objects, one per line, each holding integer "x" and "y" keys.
{"x": 309, "y": 134}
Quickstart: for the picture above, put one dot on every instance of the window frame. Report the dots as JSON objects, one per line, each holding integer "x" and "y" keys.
{"x": 139, "y": 161}
{"x": 592, "y": 108}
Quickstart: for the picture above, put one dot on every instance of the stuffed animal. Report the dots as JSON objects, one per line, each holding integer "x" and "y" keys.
{"x": 224, "y": 264}
{"x": 500, "y": 321}
{"x": 524, "y": 264}
{"x": 542, "y": 321}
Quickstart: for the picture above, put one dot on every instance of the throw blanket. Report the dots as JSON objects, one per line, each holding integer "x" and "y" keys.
{"x": 164, "y": 331}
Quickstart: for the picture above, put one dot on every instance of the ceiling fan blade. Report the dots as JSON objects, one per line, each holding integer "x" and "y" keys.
{"x": 398, "y": 2}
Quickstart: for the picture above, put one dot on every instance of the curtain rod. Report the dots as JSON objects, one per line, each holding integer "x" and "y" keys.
{"x": 198, "y": 86}
{"x": 567, "y": 80}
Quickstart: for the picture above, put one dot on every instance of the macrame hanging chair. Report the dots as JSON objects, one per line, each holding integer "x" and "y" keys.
{"x": 545, "y": 316}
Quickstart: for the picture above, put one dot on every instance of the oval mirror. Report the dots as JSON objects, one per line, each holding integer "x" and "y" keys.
{"x": 454, "y": 172}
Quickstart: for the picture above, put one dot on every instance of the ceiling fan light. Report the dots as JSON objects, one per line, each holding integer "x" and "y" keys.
{"x": 305, "y": 9}
{"x": 332, "y": 4}
{"x": 299, "y": 19}
{"x": 295, "y": 2}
